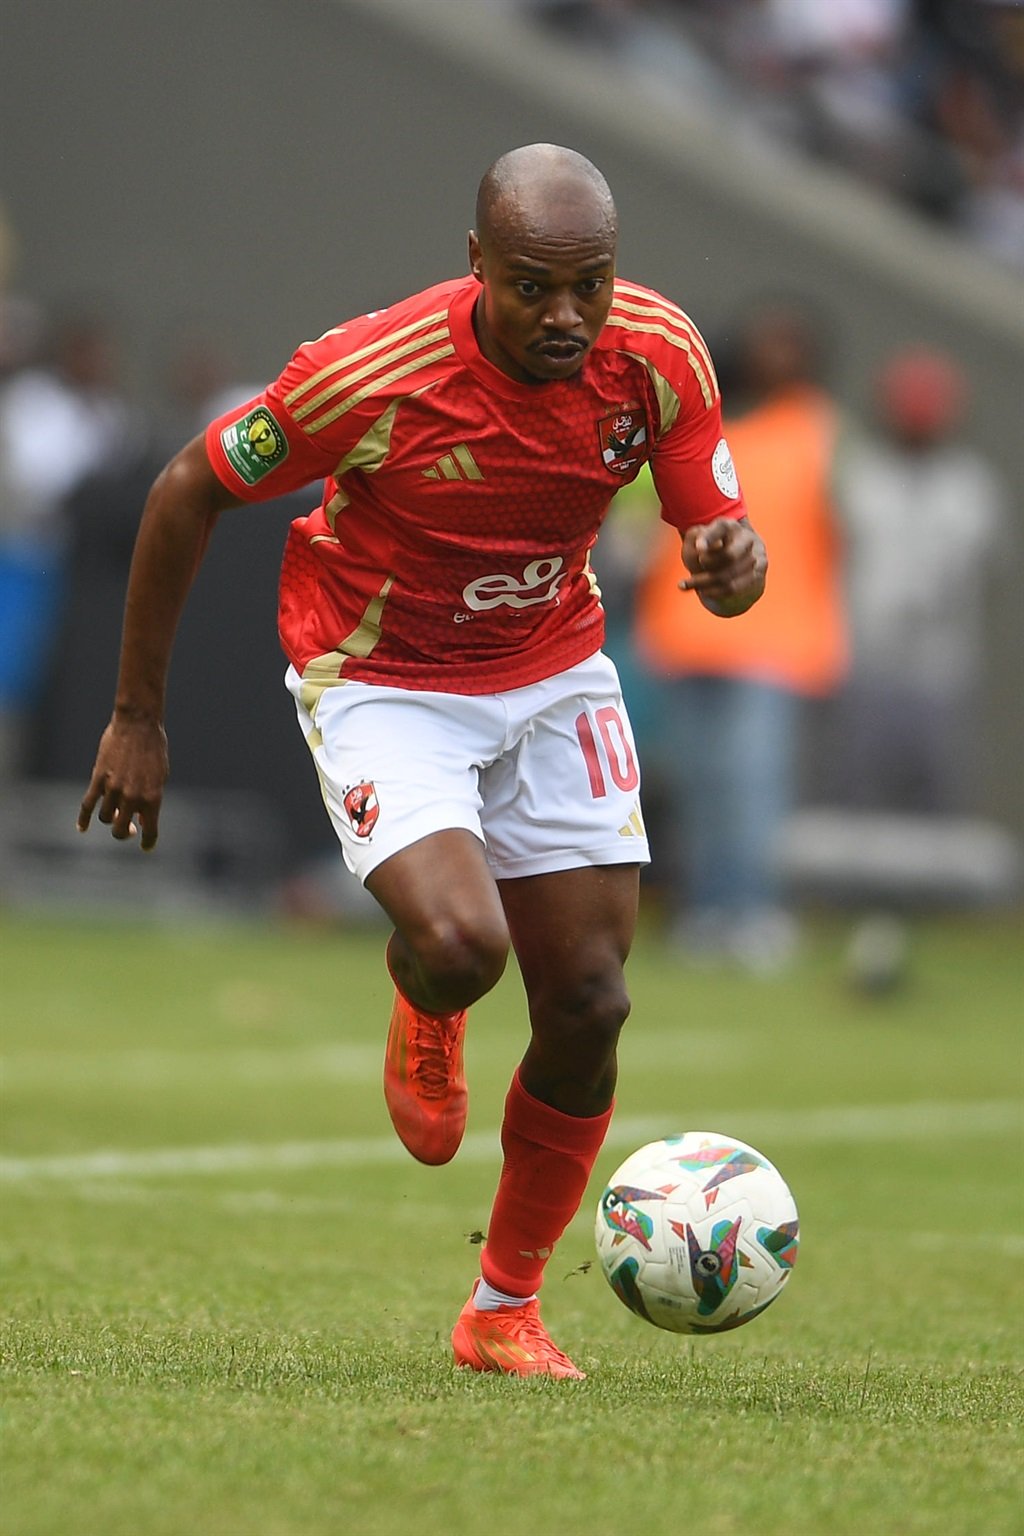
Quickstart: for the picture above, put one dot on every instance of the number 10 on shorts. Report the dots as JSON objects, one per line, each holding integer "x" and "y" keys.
{"x": 614, "y": 749}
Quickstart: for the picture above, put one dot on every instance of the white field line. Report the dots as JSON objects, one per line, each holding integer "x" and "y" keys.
{"x": 867, "y": 1123}
{"x": 272, "y": 1202}
{"x": 163, "y": 1069}
{"x": 340, "y": 1062}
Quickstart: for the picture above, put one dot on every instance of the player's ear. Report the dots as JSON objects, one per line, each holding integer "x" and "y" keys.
{"x": 476, "y": 256}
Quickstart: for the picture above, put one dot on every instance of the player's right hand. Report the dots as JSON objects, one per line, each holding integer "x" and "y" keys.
{"x": 128, "y": 781}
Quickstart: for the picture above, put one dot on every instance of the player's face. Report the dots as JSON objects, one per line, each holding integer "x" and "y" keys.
{"x": 545, "y": 295}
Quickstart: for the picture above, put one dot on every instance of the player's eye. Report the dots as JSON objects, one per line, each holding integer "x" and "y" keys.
{"x": 590, "y": 286}
{"x": 527, "y": 288}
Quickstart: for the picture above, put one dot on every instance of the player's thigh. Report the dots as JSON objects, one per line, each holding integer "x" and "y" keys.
{"x": 442, "y": 899}
{"x": 399, "y": 775}
{"x": 566, "y": 794}
{"x": 397, "y": 766}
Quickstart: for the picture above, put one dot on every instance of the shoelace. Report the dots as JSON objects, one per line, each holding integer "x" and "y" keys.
{"x": 436, "y": 1045}
{"x": 531, "y": 1331}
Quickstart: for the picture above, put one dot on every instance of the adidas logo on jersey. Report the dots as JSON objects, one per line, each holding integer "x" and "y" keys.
{"x": 457, "y": 465}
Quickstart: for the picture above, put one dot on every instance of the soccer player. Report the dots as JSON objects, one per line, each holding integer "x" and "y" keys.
{"x": 443, "y": 630}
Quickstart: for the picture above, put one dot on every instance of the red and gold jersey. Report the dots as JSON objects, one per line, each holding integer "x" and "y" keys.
{"x": 451, "y": 548}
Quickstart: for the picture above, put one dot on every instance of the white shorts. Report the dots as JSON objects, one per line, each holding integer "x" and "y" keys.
{"x": 545, "y": 776}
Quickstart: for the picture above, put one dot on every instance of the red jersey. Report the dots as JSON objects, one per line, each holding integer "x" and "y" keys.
{"x": 451, "y": 548}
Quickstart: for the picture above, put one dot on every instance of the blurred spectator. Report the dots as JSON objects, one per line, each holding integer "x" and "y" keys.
{"x": 835, "y": 68}
{"x": 925, "y": 528}
{"x": 924, "y": 99}
{"x": 60, "y": 421}
{"x": 201, "y": 382}
{"x": 20, "y": 316}
{"x": 100, "y": 517}
{"x": 976, "y": 107}
{"x": 735, "y": 693}
{"x": 619, "y": 560}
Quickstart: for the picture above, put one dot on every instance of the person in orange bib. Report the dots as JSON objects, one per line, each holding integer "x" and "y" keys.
{"x": 735, "y": 693}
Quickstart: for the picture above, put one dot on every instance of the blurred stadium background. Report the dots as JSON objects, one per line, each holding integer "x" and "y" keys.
{"x": 217, "y": 181}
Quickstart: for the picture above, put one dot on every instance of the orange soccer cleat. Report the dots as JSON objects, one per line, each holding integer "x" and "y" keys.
{"x": 510, "y": 1339}
{"x": 424, "y": 1080}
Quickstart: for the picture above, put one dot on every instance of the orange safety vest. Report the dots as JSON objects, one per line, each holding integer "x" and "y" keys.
{"x": 795, "y": 636}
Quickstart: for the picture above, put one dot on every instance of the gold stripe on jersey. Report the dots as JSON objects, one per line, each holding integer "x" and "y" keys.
{"x": 325, "y": 671}
{"x": 627, "y": 293}
{"x": 380, "y": 359}
{"x": 710, "y": 394}
{"x": 380, "y": 345}
{"x": 370, "y": 451}
{"x": 364, "y": 637}
{"x": 661, "y": 308}
{"x": 337, "y": 503}
{"x": 591, "y": 575}
{"x": 668, "y": 398}
{"x": 357, "y": 398}
{"x": 317, "y": 675}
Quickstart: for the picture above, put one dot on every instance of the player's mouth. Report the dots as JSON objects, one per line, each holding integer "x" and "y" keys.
{"x": 562, "y": 351}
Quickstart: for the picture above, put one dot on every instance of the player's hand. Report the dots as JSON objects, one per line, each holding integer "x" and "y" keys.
{"x": 727, "y": 563}
{"x": 128, "y": 781}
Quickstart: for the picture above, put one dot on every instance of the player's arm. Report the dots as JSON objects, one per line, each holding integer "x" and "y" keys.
{"x": 700, "y": 495}
{"x": 131, "y": 766}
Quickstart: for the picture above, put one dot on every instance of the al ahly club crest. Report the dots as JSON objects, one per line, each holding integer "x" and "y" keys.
{"x": 623, "y": 438}
{"x": 361, "y": 808}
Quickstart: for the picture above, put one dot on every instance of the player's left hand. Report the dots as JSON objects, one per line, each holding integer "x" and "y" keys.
{"x": 727, "y": 563}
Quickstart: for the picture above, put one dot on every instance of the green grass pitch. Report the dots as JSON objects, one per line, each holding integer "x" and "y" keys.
{"x": 227, "y": 1291}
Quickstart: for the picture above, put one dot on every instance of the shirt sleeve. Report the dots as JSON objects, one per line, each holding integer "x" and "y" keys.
{"x": 258, "y": 449}
{"x": 693, "y": 469}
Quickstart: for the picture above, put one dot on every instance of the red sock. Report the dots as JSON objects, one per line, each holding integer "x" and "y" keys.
{"x": 548, "y": 1161}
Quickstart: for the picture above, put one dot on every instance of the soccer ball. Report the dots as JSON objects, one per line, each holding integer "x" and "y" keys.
{"x": 697, "y": 1233}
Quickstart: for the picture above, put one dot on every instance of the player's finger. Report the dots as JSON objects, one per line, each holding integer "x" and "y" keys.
{"x": 721, "y": 583}
{"x": 122, "y": 825}
{"x": 110, "y": 804}
{"x": 148, "y": 817}
{"x": 697, "y": 581}
{"x": 88, "y": 804}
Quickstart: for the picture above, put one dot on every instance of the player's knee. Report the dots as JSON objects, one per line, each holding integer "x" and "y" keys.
{"x": 606, "y": 1013}
{"x": 588, "y": 1018}
{"x": 461, "y": 960}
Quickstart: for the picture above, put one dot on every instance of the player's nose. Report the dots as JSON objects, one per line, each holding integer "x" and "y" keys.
{"x": 563, "y": 312}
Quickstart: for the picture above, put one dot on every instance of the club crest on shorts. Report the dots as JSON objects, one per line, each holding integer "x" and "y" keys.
{"x": 361, "y": 808}
{"x": 623, "y": 439}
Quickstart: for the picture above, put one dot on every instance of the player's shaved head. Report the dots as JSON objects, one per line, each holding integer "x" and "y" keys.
{"x": 543, "y": 253}
{"x": 540, "y": 188}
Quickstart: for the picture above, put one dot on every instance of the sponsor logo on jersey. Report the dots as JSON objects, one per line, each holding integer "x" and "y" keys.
{"x": 254, "y": 445}
{"x": 361, "y": 808}
{"x": 724, "y": 471}
{"x": 623, "y": 438}
{"x": 538, "y": 584}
